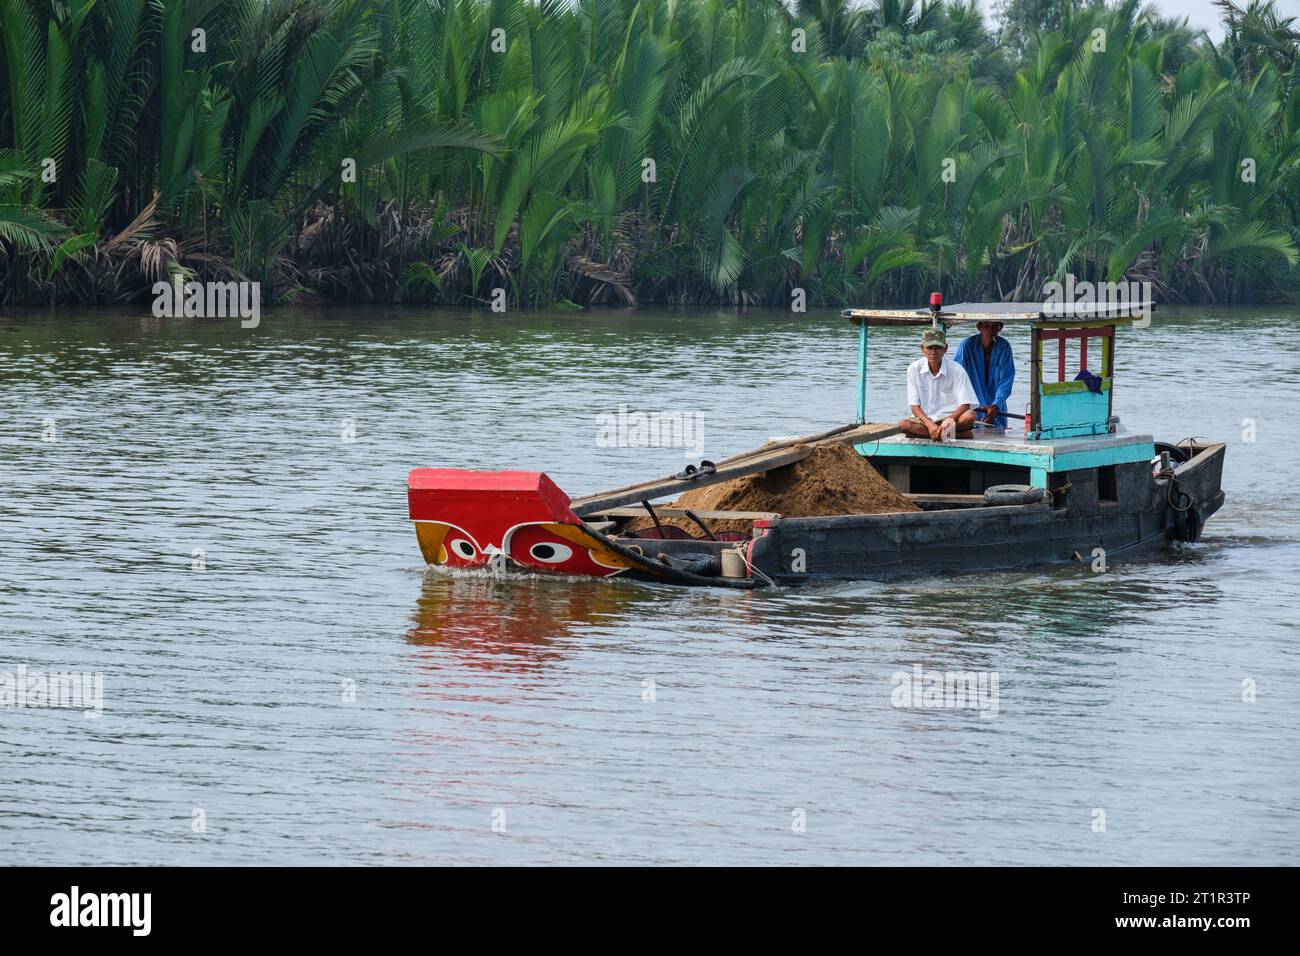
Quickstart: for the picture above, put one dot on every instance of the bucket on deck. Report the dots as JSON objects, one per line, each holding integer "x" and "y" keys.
{"x": 733, "y": 563}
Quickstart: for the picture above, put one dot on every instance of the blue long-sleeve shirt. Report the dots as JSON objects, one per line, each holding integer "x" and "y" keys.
{"x": 994, "y": 386}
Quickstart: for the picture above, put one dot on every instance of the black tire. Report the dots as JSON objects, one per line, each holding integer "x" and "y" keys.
{"x": 1187, "y": 524}
{"x": 1177, "y": 455}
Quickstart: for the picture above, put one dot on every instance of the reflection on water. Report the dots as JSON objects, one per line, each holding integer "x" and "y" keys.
{"x": 325, "y": 699}
{"x": 512, "y": 622}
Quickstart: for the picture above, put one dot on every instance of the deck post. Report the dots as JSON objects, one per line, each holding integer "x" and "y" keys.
{"x": 862, "y": 371}
{"x": 1035, "y": 385}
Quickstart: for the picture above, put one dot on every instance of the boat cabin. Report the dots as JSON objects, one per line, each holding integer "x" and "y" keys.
{"x": 1070, "y": 444}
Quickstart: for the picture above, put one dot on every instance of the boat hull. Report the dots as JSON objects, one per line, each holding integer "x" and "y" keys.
{"x": 521, "y": 520}
{"x": 1070, "y": 527}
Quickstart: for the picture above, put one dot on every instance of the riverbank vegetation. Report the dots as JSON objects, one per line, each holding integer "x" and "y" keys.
{"x": 620, "y": 151}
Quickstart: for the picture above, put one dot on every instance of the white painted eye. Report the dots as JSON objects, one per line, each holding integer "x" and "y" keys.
{"x": 551, "y": 553}
{"x": 464, "y": 549}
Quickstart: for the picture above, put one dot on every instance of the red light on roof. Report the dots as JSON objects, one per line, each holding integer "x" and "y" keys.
{"x": 936, "y": 300}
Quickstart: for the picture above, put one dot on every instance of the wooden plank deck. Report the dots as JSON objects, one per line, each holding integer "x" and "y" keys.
{"x": 776, "y": 455}
{"x": 955, "y": 501}
{"x": 638, "y": 511}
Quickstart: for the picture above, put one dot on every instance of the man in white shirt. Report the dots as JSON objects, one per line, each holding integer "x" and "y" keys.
{"x": 940, "y": 392}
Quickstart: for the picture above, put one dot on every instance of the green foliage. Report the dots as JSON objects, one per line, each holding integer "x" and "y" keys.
{"x": 610, "y": 151}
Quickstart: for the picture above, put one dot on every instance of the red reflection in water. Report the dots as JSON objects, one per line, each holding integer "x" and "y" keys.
{"x": 511, "y": 623}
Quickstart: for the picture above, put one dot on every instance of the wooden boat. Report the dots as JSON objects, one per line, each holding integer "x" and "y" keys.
{"x": 1074, "y": 487}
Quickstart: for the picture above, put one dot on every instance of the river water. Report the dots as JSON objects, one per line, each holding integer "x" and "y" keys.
{"x": 314, "y": 696}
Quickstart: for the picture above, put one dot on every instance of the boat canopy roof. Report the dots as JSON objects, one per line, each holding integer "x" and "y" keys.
{"x": 1047, "y": 313}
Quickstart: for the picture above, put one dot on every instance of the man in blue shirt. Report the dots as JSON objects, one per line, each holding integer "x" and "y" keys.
{"x": 986, "y": 357}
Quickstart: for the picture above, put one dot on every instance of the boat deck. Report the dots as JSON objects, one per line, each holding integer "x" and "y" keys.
{"x": 1011, "y": 448}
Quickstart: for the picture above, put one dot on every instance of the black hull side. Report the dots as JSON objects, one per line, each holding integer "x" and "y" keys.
{"x": 1202, "y": 476}
{"x": 1070, "y": 527}
{"x": 868, "y": 546}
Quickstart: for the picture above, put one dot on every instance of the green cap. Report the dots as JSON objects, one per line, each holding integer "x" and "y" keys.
{"x": 933, "y": 337}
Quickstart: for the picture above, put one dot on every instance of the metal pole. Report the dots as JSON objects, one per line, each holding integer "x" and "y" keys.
{"x": 862, "y": 371}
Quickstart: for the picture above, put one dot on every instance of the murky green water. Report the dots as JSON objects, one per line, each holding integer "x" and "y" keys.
{"x": 524, "y": 702}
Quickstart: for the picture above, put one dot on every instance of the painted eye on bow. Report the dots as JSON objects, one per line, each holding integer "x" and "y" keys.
{"x": 465, "y": 549}
{"x": 550, "y": 552}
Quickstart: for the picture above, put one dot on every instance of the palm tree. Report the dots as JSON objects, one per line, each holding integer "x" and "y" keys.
{"x": 640, "y": 150}
{"x": 1259, "y": 34}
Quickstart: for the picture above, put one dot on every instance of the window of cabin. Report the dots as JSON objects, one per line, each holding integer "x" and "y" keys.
{"x": 1063, "y": 353}
{"x": 1107, "y": 484}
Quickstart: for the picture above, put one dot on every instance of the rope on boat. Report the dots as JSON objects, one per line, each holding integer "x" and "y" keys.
{"x": 1061, "y": 489}
{"x": 1187, "y": 517}
{"x": 1175, "y": 488}
{"x": 753, "y": 570}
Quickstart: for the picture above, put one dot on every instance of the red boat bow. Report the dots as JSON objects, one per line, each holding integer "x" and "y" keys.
{"x": 464, "y": 519}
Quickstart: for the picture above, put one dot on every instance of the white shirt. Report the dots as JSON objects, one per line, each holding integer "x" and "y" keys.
{"x": 939, "y": 395}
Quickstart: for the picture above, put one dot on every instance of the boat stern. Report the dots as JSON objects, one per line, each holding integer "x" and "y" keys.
{"x": 1201, "y": 477}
